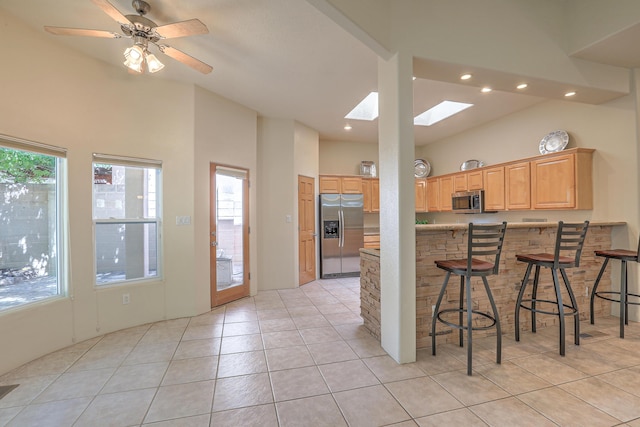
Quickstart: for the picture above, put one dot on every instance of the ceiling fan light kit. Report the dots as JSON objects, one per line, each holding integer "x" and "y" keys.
{"x": 143, "y": 31}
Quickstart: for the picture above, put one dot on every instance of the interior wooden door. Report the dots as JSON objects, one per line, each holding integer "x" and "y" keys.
{"x": 229, "y": 233}
{"x": 306, "y": 227}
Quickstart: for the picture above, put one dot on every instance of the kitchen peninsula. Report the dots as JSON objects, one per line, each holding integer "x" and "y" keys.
{"x": 444, "y": 241}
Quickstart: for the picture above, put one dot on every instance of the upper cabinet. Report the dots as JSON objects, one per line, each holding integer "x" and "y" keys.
{"x": 474, "y": 180}
{"x": 421, "y": 194}
{"x": 493, "y": 179}
{"x": 460, "y": 182}
{"x": 446, "y": 189}
{"x": 562, "y": 181}
{"x": 517, "y": 186}
{"x": 340, "y": 184}
{"x": 433, "y": 194}
{"x": 371, "y": 194}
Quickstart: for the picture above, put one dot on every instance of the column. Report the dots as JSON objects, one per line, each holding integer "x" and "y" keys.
{"x": 397, "y": 207}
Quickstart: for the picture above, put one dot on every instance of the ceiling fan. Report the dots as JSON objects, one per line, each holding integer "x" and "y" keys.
{"x": 143, "y": 31}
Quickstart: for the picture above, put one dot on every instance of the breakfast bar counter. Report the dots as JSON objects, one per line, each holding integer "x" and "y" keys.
{"x": 447, "y": 241}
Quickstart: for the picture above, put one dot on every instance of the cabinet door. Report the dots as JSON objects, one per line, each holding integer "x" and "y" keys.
{"x": 366, "y": 195}
{"x": 446, "y": 188}
{"x": 494, "y": 188}
{"x": 518, "y": 186}
{"x": 375, "y": 195}
{"x": 553, "y": 182}
{"x": 433, "y": 195}
{"x": 474, "y": 180}
{"x": 330, "y": 184}
{"x": 351, "y": 185}
{"x": 460, "y": 182}
{"x": 421, "y": 195}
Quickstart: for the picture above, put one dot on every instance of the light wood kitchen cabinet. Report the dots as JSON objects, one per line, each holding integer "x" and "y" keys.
{"x": 421, "y": 194}
{"x": 433, "y": 195}
{"x": 375, "y": 195}
{"x": 445, "y": 185}
{"x": 460, "y": 182}
{"x": 493, "y": 179}
{"x": 340, "y": 184}
{"x": 562, "y": 181}
{"x": 517, "y": 186}
{"x": 474, "y": 180}
{"x": 372, "y": 241}
{"x": 371, "y": 194}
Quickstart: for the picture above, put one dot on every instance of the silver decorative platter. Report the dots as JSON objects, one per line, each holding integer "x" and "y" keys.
{"x": 422, "y": 168}
{"x": 554, "y": 141}
{"x": 471, "y": 164}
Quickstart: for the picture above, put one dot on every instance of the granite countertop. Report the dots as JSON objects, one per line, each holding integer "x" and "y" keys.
{"x": 464, "y": 226}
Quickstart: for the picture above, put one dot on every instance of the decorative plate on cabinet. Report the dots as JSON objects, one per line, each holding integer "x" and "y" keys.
{"x": 554, "y": 141}
{"x": 422, "y": 168}
{"x": 471, "y": 164}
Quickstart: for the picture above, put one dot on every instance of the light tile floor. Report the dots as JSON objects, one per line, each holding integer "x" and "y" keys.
{"x": 301, "y": 357}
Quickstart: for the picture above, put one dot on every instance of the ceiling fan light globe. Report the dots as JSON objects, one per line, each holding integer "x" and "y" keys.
{"x": 137, "y": 67}
{"x": 153, "y": 64}
{"x": 134, "y": 54}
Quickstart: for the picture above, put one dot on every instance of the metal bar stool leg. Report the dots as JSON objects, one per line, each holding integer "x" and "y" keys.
{"x": 556, "y": 285}
{"x": 519, "y": 300}
{"x": 534, "y": 296}
{"x": 624, "y": 307}
{"x": 434, "y": 315}
{"x": 460, "y": 313}
{"x": 469, "y": 325}
{"x": 595, "y": 288}
{"x": 497, "y": 318}
{"x": 574, "y": 305}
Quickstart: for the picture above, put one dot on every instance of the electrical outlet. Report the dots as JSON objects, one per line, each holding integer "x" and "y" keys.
{"x": 126, "y": 299}
{"x": 586, "y": 291}
{"x": 433, "y": 309}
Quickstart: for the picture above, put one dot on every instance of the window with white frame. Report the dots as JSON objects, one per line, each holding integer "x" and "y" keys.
{"x": 126, "y": 215}
{"x": 32, "y": 222}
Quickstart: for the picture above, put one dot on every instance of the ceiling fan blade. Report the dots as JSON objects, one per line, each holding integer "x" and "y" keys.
{"x": 181, "y": 29}
{"x": 110, "y": 10}
{"x": 192, "y": 62}
{"x": 62, "y": 31}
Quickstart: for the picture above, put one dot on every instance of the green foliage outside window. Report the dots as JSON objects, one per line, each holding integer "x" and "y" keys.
{"x": 21, "y": 167}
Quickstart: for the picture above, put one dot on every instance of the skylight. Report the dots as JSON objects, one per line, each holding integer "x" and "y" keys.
{"x": 367, "y": 109}
{"x": 440, "y": 112}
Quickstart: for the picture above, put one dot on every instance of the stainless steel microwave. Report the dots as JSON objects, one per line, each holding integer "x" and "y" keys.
{"x": 468, "y": 201}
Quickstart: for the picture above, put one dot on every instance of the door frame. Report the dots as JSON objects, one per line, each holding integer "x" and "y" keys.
{"x": 234, "y": 292}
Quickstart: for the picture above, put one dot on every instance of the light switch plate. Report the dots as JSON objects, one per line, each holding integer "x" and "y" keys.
{"x": 183, "y": 220}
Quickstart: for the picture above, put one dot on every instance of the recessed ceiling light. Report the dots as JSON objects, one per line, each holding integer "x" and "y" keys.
{"x": 465, "y": 77}
{"x": 485, "y": 90}
{"x": 367, "y": 109}
{"x": 522, "y": 86}
{"x": 569, "y": 94}
{"x": 347, "y": 127}
{"x": 440, "y": 112}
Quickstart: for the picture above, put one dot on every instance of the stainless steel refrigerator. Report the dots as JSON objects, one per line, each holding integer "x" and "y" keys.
{"x": 342, "y": 234}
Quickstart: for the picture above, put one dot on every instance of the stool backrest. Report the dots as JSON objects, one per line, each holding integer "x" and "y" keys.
{"x": 486, "y": 240}
{"x": 570, "y": 238}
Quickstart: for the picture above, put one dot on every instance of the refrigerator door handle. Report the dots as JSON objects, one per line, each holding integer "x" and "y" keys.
{"x": 341, "y": 214}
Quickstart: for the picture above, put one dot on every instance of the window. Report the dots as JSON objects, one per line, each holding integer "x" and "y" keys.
{"x": 126, "y": 214}
{"x": 32, "y": 218}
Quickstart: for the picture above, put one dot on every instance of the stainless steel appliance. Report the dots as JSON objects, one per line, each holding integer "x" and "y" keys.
{"x": 342, "y": 234}
{"x": 468, "y": 202}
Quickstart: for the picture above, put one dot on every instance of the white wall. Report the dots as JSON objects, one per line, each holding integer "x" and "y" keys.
{"x": 277, "y": 200}
{"x": 88, "y": 106}
{"x": 225, "y": 133}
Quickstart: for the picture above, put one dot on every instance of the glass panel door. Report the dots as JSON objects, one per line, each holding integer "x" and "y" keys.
{"x": 229, "y": 235}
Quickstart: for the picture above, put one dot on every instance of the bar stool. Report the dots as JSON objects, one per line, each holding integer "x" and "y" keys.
{"x": 486, "y": 241}
{"x": 623, "y": 296}
{"x": 569, "y": 238}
